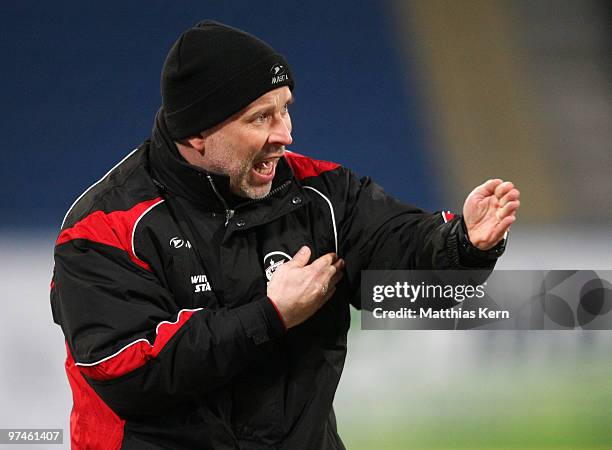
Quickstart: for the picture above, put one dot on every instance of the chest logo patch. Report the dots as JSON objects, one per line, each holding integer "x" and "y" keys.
{"x": 273, "y": 261}
{"x": 200, "y": 283}
{"x": 177, "y": 242}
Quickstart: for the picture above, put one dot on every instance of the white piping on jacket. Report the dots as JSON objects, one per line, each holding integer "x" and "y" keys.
{"x": 91, "y": 187}
{"x": 178, "y": 316}
{"x": 136, "y": 224}
{"x": 333, "y": 216}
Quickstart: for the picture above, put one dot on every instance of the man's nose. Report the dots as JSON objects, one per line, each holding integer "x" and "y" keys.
{"x": 281, "y": 133}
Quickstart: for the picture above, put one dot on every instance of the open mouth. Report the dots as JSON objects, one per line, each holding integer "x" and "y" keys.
{"x": 265, "y": 167}
{"x": 263, "y": 171}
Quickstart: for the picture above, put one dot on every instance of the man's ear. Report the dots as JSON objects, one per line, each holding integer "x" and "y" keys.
{"x": 196, "y": 142}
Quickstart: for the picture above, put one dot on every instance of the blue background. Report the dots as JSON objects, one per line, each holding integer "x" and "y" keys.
{"x": 81, "y": 87}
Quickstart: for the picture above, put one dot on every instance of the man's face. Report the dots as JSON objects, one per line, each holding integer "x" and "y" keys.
{"x": 249, "y": 144}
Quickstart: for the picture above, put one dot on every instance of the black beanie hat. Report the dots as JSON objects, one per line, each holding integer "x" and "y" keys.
{"x": 214, "y": 71}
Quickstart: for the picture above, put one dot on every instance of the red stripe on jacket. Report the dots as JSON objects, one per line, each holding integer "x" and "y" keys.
{"x": 136, "y": 354}
{"x": 114, "y": 228}
{"x": 447, "y": 216}
{"x": 93, "y": 424}
{"x": 304, "y": 167}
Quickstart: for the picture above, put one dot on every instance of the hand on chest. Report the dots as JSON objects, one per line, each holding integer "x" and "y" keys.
{"x": 222, "y": 269}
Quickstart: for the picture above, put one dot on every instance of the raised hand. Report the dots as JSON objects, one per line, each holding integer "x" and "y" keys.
{"x": 489, "y": 211}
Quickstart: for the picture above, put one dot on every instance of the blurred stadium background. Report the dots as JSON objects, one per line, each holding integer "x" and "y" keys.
{"x": 429, "y": 97}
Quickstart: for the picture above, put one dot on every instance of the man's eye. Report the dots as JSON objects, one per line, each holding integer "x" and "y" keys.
{"x": 261, "y": 117}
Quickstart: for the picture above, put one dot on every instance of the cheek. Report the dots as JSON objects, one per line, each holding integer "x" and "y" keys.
{"x": 237, "y": 151}
{"x": 219, "y": 154}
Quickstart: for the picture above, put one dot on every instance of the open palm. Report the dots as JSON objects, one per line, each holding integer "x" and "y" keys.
{"x": 489, "y": 211}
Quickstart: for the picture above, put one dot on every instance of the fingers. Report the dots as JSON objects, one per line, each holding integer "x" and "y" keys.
{"x": 503, "y": 226}
{"x": 326, "y": 271}
{"x": 329, "y": 294}
{"x": 332, "y": 273}
{"x": 336, "y": 277}
{"x": 506, "y": 217}
{"x": 510, "y": 196}
{"x": 329, "y": 289}
{"x": 328, "y": 262}
{"x": 507, "y": 193}
{"x": 329, "y": 277}
{"x": 337, "y": 272}
{"x": 301, "y": 258}
{"x": 488, "y": 187}
{"x": 339, "y": 264}
{"x": 324, "y": 261}
{"x": 299, "y": 289}
{"x": 503, "y": 188}
{"x": 509, "y": 201}
{"x": 497, "y": 233}
{"x": 499, "y": 188}
{"x": 508, "y": 209}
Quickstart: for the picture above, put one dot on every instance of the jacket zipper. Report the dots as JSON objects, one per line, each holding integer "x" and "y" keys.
{"x": 272, "y": 192}
{"x": 229, "y": 213}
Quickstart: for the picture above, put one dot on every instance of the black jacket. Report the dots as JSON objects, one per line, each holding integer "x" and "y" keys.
{"x": 160, "y": 289}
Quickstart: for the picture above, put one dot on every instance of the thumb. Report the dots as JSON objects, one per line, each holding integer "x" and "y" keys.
{"x": 301, "y": 258}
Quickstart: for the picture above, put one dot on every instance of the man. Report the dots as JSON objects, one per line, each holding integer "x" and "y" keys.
{"x": 203, "y": 284}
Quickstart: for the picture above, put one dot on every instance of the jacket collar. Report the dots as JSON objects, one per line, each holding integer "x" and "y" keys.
{"x": 174, "y": 173}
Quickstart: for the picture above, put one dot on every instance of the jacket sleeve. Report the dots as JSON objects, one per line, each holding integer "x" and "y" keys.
{"x": 131, "y": 342}
{"x": 378, "y": 232}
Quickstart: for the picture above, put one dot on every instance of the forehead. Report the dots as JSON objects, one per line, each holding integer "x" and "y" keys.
{"x": 279, "y": 95}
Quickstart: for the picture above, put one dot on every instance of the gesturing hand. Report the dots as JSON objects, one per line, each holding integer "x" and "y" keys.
{"x": 299, "y": 289}
{"x": 489, "y": 211}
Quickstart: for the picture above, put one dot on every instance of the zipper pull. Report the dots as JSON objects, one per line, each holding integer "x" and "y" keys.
{"x": 160, "y": 186}
{"x": 229, "y": 213}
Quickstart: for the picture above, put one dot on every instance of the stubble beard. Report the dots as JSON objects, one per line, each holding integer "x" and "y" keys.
{"x": 239, "y": 175}
{"x": 238, "y": 171}
{"x": 239, "y": 183}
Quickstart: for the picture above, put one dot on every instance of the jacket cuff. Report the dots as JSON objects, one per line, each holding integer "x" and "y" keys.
{"x": 278, "y": 314}
{"x": 472, "y": 256}
{"x": 275, "y": 318}
{"x": 260, "y": 321}
{"x": 463, "y": 254}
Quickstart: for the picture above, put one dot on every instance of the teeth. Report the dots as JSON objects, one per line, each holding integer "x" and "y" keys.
{"x": 264, "y": 167}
